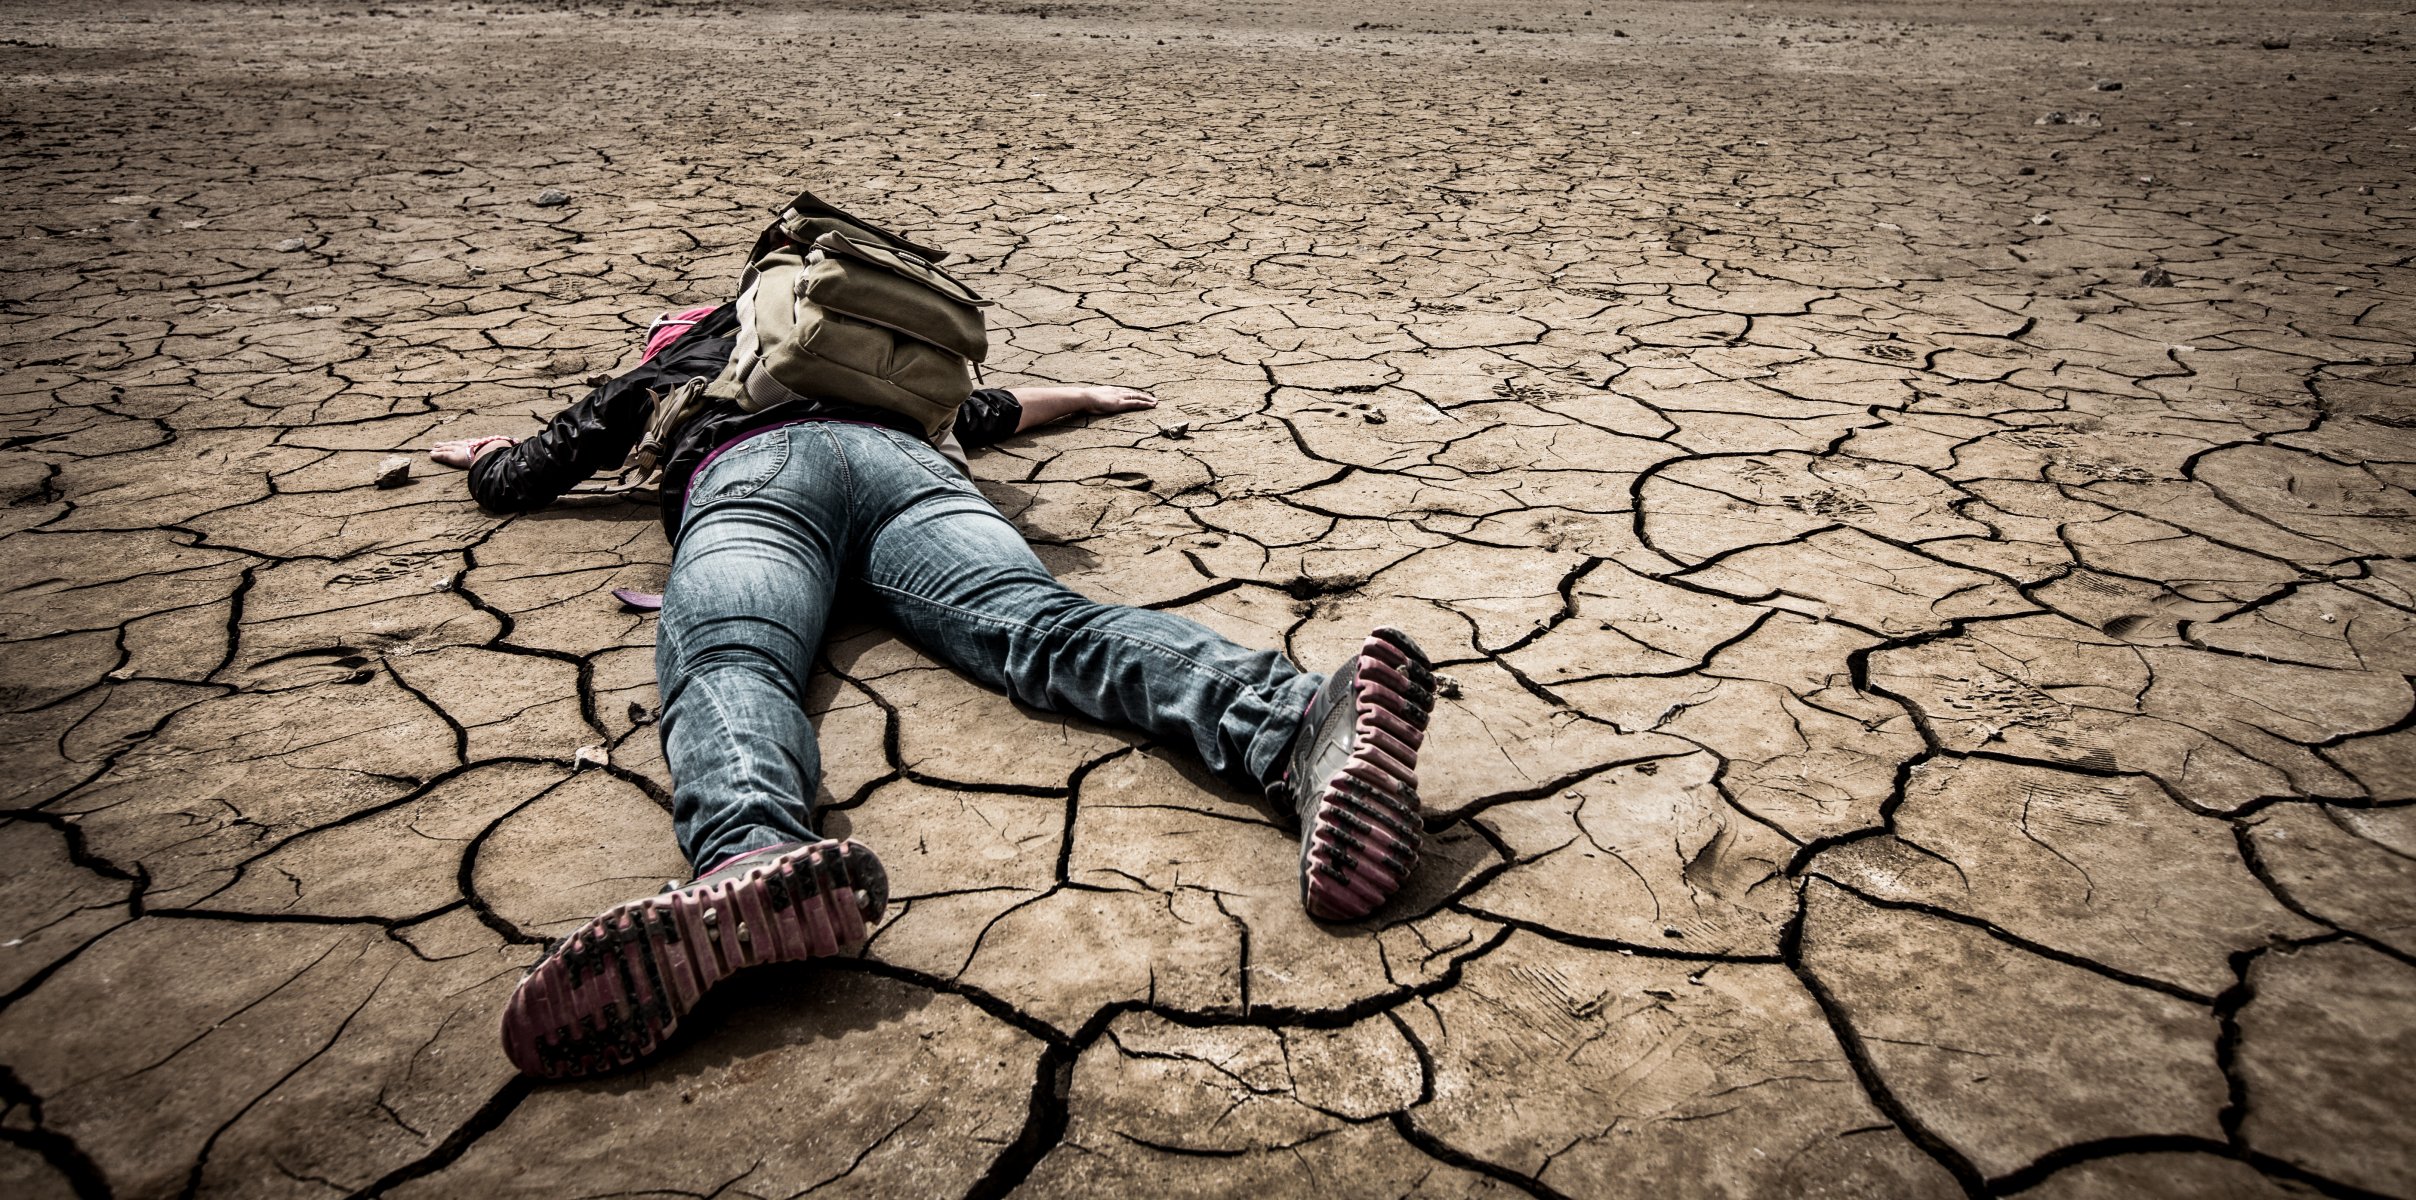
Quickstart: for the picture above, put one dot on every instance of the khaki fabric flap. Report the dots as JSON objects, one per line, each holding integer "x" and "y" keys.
{"x": 911, "y": 266}
{"x": 895, "y": 300}
{"x": 772, "y": 317}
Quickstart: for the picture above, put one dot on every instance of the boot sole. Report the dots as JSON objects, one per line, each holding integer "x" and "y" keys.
{"x": 611, "y": 992}
{"x": 1362, "y": 835}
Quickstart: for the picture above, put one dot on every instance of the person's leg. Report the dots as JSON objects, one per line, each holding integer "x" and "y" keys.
{"x": 743, "y": 617}
{"x": 750, "y": 591}
{"x": 1337, "y": 751}
{"x": 957, "y": 578}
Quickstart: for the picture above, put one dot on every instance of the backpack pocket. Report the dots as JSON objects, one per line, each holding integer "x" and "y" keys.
{"x": 896, "y": 291}
{"x": 828, "y": 354}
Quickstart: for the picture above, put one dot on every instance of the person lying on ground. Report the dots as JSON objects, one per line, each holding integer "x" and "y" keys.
{"x": 770, "y": 513}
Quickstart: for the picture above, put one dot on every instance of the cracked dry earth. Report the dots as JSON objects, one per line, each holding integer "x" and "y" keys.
{"x": 1931, "y": 590}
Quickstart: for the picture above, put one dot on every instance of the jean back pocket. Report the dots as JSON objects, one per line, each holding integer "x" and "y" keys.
{"x": 741, "y": 470}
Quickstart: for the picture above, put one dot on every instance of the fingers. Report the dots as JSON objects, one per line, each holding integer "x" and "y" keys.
{"x": 459, "y": 453}
{"x": 1119, "y": 399}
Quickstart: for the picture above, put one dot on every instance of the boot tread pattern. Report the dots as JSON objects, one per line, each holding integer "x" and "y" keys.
{"x": 611, "y": 992}
{"x": 1361, "y": 832}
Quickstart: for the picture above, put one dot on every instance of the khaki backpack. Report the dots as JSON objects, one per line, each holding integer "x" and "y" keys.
{"x": 833, "y": 307}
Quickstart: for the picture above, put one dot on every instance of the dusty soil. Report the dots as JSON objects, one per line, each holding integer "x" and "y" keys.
{"x": 1930, "y": 583}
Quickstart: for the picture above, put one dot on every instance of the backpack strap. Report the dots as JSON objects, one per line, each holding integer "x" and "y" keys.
{"x": 643, "y": 468}
{"x": 809, "y": 216}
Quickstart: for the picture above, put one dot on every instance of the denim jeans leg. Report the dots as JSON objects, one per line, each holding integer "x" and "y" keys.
{"x": 961, "y": 581}
{"x": 743, "y": 616}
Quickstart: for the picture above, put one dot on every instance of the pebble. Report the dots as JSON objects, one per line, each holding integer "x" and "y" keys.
{"x": 2156, "y": 277}
{"x": 2042, "y": 219}
{"x": 591, "y": 756}
{"x": 2108, "y": 85}
{"x": 394, "y": 472}
{"x": 551, "y": 198}
{"x": 2276, "y": 43}
{"x": 2053, "y": 118}
{"x": 290, "y": 245}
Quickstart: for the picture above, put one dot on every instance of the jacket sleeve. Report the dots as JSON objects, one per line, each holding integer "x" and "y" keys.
{"x": 596, "y": 433}
{"x": 988, "y": 417}
{"x": 593, "y": 435}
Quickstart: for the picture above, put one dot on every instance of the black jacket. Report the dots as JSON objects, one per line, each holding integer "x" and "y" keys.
{"x": 595, "y": 434}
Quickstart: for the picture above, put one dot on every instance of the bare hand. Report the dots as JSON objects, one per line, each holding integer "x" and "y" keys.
{"x": 461, "y": 452}
{"x": 1116, "y": 400}
{"x": 1052, "y": 402}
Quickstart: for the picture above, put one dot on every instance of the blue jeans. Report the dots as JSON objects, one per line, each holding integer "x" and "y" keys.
{"x": 776, "y": 522}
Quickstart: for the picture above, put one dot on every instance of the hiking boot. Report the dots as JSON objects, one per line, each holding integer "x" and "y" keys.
{"x": 612, "y": 991}
{"x": 1351, "y": 777}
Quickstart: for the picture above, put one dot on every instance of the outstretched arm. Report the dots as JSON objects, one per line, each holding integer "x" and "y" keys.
{"x": 593, "y": 435}
{"x": 508, "y": 475}
{"x": 1042, "y": 405}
